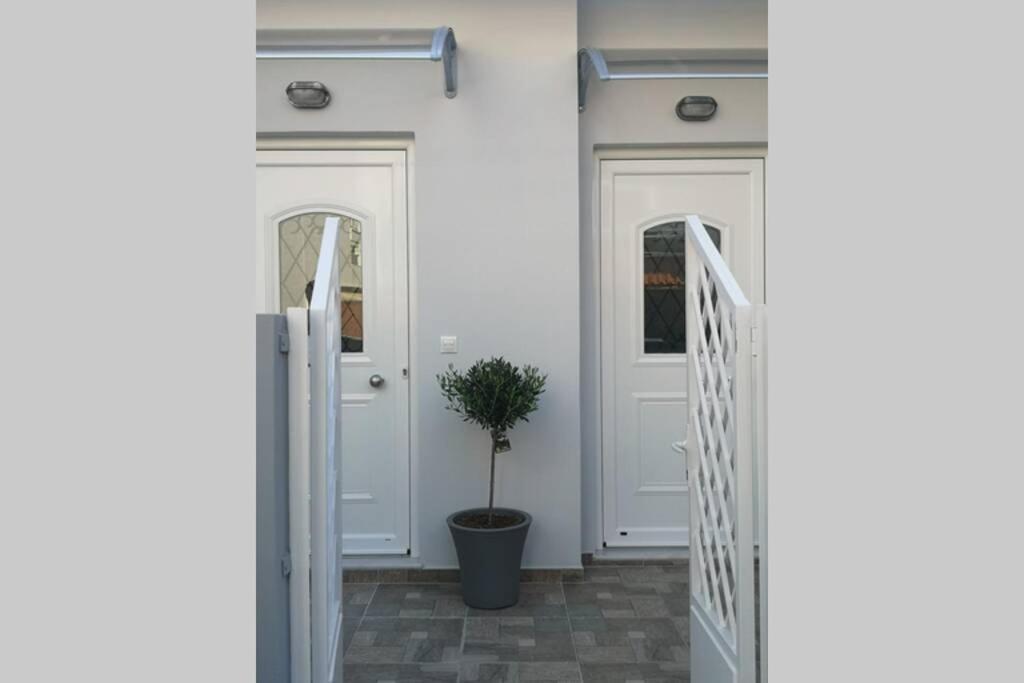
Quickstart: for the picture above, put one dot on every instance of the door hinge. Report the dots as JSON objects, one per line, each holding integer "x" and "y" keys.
{"x": 286, "y": 565}
{"x": 755, "y": 342}
{"x": 284, "y": 343}
{"x": 405, "y": 373}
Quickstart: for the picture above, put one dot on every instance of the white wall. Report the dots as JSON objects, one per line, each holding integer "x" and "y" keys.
{"x": 698, "y": 24}
{"x": 634, "y": 115}
{"x": 495, "y": 223}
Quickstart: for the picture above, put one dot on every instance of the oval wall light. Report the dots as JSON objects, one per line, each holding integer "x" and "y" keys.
{"x": 696, "y": 108}
{"x": 308, "y": 94}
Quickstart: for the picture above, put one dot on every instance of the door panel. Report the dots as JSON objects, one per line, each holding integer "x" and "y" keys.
{"x": 643, "y": 338}
{"x": 297, "y": 192}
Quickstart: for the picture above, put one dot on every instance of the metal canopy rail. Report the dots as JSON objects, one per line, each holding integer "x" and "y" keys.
{"x": 433, "y": 44}
{"x": 626, "y": 65}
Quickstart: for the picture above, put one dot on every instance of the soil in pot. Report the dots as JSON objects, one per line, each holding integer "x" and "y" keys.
{"x": 481, "y": 520}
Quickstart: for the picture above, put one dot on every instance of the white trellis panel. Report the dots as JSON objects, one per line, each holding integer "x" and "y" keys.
{"x": 719, "y": 332}
{"x": 315, "y": 458}
{"x": 325, "y": 456}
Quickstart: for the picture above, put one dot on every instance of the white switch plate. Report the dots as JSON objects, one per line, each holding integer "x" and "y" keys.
{"x": 449, "y": 344}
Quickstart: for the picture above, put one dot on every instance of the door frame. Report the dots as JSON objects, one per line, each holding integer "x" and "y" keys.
{"x": 601, "y": 493}
{"x": 330, "y": 142}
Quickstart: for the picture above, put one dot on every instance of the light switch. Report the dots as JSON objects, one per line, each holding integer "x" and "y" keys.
{"x": 449, "y": 344}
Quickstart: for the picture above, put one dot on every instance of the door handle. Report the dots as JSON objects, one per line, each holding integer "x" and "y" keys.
{"x": 680, "y": 448}
{"x": 376, "y": 381}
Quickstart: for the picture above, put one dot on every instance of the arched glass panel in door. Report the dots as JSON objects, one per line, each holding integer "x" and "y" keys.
{"x": 664, "y": 286}
{"x": 298, "y": 249}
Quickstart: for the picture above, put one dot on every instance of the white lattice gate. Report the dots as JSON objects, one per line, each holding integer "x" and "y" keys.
{"x": 719, "y": 333}
{"x": 315, "y": 457}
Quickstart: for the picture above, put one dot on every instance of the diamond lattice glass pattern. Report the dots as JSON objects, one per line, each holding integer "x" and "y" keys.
{"x": 664, "y": 292}
{"x": 299, "y": 247}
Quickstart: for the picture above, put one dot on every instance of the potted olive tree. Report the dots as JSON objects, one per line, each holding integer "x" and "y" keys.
{"x": 494, "y": 395}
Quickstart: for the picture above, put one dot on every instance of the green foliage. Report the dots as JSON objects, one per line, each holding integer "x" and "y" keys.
{"x": 493, "y": 394}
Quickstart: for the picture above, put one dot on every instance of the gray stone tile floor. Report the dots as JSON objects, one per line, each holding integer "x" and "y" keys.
{"x": 615, "y": 624}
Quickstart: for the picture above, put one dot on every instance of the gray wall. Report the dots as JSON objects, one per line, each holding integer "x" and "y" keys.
{"x": 699, "y": 24}
{"x": 633, "y": 115}
{"x": 272, "y": 639}
{"x": 495, "y": 227}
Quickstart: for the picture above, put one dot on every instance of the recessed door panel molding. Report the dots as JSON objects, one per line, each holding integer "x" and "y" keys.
{"x": 658, "y": 414}
{"x": 643, "y": 329}
{"x": 357, "y": 473}
{"x": 297, "y": 190}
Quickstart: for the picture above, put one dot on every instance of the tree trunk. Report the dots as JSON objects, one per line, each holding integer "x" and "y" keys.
{"x": 490, "y": 500}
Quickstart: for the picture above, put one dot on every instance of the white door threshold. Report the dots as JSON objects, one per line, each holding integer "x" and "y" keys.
{"x": 606, "y": 554}
{"x": 381, "y": 562}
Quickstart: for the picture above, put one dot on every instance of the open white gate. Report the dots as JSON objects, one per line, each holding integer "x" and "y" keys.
{"x": 314, "y": 459}
{"x": 720, "y": 332}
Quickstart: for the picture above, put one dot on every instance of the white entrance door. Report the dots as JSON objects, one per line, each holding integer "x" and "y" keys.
{"x": 296, "y": 192}
{"x": 643, "y": 326}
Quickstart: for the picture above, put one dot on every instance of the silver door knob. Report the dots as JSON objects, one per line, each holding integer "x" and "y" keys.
{"x": 376, "y": 381}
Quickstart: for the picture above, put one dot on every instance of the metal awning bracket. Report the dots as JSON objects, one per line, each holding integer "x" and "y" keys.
{"x": 588, "y": 60}
{"x": 443, "y": 50}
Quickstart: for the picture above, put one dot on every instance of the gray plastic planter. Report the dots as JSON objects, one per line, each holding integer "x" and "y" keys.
{"x": 490, "y": 559}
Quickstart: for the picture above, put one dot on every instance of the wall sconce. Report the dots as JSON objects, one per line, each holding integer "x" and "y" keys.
{"x": 308, "y": 94}
{"x": 696, "y": 108}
